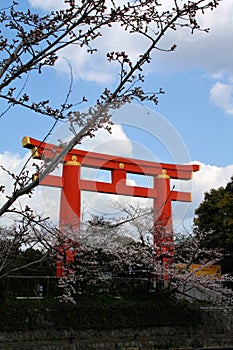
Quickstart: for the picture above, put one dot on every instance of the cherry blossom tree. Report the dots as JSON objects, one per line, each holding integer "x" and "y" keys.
{"x": 113, "y": 253}
{"x": 28, "y": 233}
{"x": 110, "y": 254}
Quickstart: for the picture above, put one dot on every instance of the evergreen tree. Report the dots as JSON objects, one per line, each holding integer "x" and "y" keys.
{"x": 215, "y": 220}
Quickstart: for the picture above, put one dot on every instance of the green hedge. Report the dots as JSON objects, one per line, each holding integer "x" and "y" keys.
{"x": 96, "y": 313}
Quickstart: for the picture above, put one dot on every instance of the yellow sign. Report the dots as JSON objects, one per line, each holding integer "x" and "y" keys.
{"x": 212, "y": 270}
{"x": 200, "y": 270}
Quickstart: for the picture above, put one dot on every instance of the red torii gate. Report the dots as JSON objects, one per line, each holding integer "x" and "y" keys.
{"x": 71, "y": 183}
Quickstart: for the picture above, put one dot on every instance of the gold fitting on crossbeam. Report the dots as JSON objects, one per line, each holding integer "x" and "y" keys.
{"x": 26, "y": 141}
{"x": 35, "y": 153}
{"x": 72, "y": 162}
{"x": 35, "y": 177}
{"x": 164, "y": 175}
{"x": 121, "y": 165}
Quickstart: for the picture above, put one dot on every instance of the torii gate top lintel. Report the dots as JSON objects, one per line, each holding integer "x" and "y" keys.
{"x": 103, "y": 161}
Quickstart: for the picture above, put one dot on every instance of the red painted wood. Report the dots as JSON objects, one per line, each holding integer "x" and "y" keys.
{"x": 103, "y": 161}
{"x": 52, "y": 181}
{"x": 70, "y": 206}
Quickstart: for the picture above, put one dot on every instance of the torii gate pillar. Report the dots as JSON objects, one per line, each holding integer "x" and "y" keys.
{"x": 70, "y": 204}
{"x": 163, "y": 230}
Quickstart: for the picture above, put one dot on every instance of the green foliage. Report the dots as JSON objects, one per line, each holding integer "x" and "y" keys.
{"x": 215, "y": 219}
{"x": 32, "y": 263}
{"x": 9, "y": 249}
{"x": 36, "y": 263}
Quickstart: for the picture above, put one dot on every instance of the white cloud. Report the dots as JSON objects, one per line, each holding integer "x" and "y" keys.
{"x": 14, "y": 164}
{"x": 9, "y": 161}
{"x": 85, "y": 66}
{"x": 212, "y": 52}
{"x": 57, "y": 4}
{"x": 95, "y": 67}
{"x": 116, "y": 143}
{"x": 222, "y": 96}
{"x": 47, "y": 5}
{"x": 208, "y": 177}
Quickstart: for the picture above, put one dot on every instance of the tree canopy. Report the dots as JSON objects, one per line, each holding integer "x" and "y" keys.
{"x": 215, "y": 216}
{"x": 214, "y": 219}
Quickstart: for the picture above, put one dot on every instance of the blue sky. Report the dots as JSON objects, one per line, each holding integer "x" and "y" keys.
{"x": 198, "y": 100}
{"x": 206, "y": 129}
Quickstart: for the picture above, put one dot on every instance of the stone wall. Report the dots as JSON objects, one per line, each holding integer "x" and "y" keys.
{"x": 215, "y": 330}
